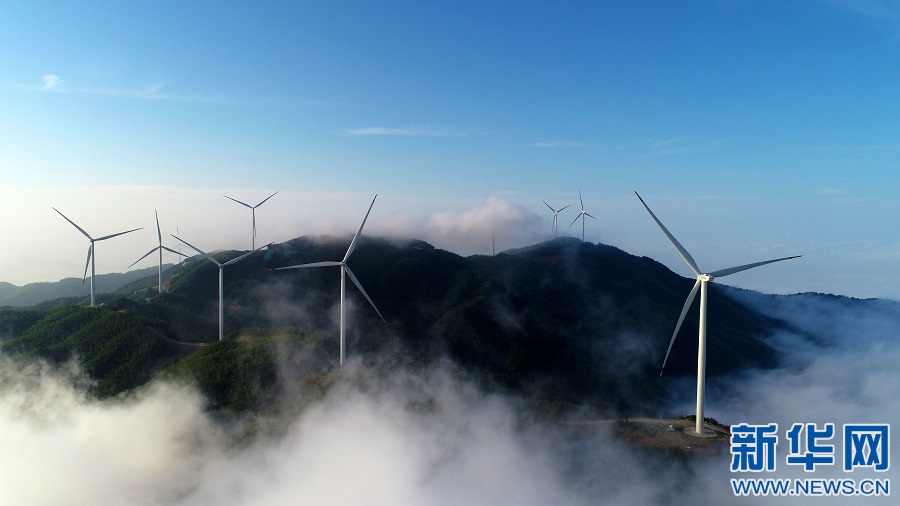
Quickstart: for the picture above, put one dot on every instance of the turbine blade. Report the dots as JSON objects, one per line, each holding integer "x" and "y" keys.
{"x": 681, "y": 251}
{"x": 88, "y": 262}
{"x": 110, "y": 236}
{"x": 581, "y": 200}
{"x": 303, "y": 266}
{"x": 361, "y": 289}
{"x": 560, "y": 209}
{"x": 732, "y": 270}
{"x": 198, "y": 250}
{"x": 245, "y": 255}
{"x": 548, "y": 205}
{"x": 238, "y": 259}
{"x": 170, "y": 250}
{"x": 589, "y": 214}
{"x": 355, "y": 237}
{"x": 684, "y": 311}
{"x": 158, "y": 233}
{"x": 73, "y": 224}
{"x": 238, "y": 201}
{"x": 265, "y": 199}
{"x": 573, "y": 221}
{"x": 143, "y": 257}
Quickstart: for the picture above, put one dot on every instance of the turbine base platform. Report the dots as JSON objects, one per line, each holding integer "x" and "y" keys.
{"x": 706, "y": 434}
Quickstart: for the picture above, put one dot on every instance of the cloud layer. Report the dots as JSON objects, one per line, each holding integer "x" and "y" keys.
{"x": 428, "y": 437}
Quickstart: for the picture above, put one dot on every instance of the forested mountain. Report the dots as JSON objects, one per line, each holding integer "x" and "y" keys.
{"x": 35, "y": 293}
{"x": 562, "y": 322}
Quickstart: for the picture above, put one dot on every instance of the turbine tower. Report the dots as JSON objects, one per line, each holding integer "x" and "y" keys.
{"x": 556, "y": 217}
{"x": 253, "y": 212}
{"x": 344, "y": 269}
{"x": 703, "y": 280}
{"x": 581, "y": 215}
{"x": 160, "y": 248}
{"x": 90, "y": 255}
{"x": 221, "y": 277}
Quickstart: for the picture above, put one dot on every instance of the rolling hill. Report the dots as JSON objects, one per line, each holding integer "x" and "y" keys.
{"x": 35, "y": 293}
{"x": 560, "y": 323}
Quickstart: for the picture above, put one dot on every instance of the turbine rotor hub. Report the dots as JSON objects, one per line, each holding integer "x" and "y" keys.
{"x": 705, "y": 278}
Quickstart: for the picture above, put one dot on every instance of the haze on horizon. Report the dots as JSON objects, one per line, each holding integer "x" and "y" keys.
{"x": 754, "y": 129}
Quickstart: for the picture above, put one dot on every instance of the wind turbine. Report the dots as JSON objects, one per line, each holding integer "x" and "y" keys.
{"x": 160, "y": 248}
{"x": 703, "y": 280}
{"x": 221, "y": 277}
{"x": 253, "y": 211}
{"x": 344, "y": 268}
{"x": 556, "y": 216}
{"x": 90, "y": 255}
{"x": 179, "y": 246}
{"x": 581, "y": 215}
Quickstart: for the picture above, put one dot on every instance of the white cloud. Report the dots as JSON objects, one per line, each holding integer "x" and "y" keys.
{"x": 152, "y": 91}
{"x": 557, "y": 144}
{"x": 498, "y": 220}
{"x": 62, "y": 447}
{"x": 410, "y": 131}
{"x": 51, "y": 81}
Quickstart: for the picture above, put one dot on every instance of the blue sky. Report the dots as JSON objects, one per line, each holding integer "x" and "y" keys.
{"x": 753, "y": 129}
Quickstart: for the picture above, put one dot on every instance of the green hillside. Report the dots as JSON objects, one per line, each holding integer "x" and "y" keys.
{"x": 119, "y": 350}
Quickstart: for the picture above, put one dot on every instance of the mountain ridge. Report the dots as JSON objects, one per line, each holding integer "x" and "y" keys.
{"x": 30, "y": 294}
{"x": 560, "y": 321}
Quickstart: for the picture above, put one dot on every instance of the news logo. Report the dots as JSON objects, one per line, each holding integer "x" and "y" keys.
{"x": 865, "y": 447}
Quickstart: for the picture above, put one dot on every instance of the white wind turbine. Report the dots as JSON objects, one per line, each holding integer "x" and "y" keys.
{"x": 580, "y": 215}
{"x": 221, "y": 277}
{"x": 556, "y": 217}
{"x": 159, "y": 248}
{"x": 90, "y": 255}
{"x": 253, "y": 211}
{"x": 344, "y": 269}
{"x": 703, "y": 280}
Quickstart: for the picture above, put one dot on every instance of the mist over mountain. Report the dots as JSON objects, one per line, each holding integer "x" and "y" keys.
{"x": 482, "y": 363}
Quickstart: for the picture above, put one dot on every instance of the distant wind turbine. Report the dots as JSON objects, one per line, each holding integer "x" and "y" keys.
{"x": 90, "y": 254}
{"x": 253, "y": 212}
{"x": 580, "y": 215}
{"x": 344, "y": 269}
{"x": 221, "y": 277}
{"x": 702, "y": 281}
{"x": 159, "y": 248}
{"x": 181, "y": 260}
{"x": 556, "y": 217}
